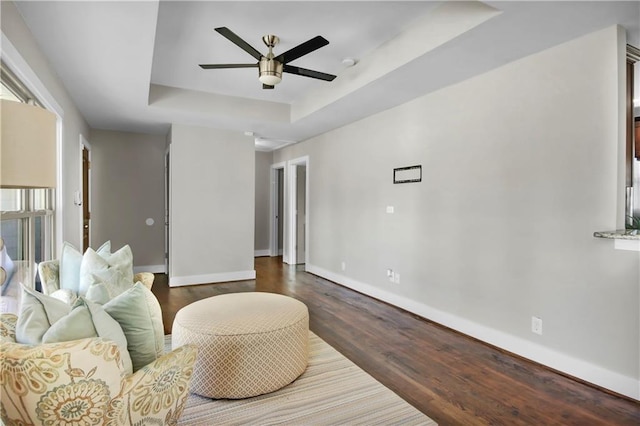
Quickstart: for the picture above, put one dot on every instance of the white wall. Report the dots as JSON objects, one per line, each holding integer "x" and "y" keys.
{"x": 212, "y": 205}
{"x": 127, "y": 182}
{"x": 18, "y": 34}
{"x": 263, "y": 186}
{"x": 520, "y": 167}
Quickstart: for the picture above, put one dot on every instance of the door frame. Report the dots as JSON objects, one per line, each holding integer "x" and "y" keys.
{"x": 80, "y": 202}
{"x": 291, "y": 201}
{"x": 273, "y": 207}
{"x": 167, "y": 195}
{"x": 301, "y": 214}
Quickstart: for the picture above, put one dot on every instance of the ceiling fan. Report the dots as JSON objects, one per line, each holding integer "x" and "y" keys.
{"x": 271, "y": 67}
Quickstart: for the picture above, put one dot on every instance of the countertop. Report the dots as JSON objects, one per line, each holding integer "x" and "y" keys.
{"x": 620, "y": 234}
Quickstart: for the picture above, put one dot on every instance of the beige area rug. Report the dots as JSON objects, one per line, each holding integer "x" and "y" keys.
{"x": 332, "y": 391}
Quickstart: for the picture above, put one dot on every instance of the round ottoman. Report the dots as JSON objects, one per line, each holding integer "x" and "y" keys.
{"x": 248, "y": 343}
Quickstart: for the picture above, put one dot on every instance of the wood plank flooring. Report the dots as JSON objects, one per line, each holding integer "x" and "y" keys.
{"x": 452, "y": 378}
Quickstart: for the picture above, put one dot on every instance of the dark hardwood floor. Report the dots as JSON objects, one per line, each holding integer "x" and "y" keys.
{"x": 452, "y": 378}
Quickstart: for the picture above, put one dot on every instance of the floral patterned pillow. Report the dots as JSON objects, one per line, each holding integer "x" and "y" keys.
{"x": 39, "y": 386}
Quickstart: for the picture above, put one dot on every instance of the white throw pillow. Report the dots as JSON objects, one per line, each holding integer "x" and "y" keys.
{"x": 121, "y": 260}
{"x": 65, "y": 295}
{"x": 98, "y": 293}
{"x": 112, "y": 280}
{"x": 105, "y": 266}
{"x": 70, "y": 263}
{"x": 92, "y": 263}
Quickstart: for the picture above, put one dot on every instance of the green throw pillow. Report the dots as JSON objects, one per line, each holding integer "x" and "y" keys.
{"x": 88, "y": 319}
{"x": 37, "y": 313}
{"x": 139, "y": 314}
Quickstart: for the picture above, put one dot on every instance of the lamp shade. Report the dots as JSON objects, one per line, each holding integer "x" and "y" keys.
{"x": 27, "y": 146}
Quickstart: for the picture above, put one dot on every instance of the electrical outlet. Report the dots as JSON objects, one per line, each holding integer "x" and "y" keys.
{"x": 343, "y": 266}
{"x": 390, "y": 275}
{"x": 396, "y": 278}
{"x": 390, "y": 209}
{"x": 536, "y": 325}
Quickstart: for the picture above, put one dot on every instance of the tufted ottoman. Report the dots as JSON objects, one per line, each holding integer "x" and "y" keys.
{"x": 249, "y": 343}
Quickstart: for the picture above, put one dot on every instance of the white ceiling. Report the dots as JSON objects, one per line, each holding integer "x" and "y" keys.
{"x": 133, "y": 66}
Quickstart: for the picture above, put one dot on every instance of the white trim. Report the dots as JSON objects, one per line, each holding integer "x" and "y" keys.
{"x": 260, "y": 253}
{"x": 212, "y": 278}
{"x": 575, "y": 367}
{"x": 273, "y": 207}
{"x": 290, "y": 203}
{"x": 29, "y": 78}
{"x": 156, "y": 269}
{"x": 167, "y": 213}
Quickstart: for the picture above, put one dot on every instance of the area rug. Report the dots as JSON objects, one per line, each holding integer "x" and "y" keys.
{"x": 332, "y": 391}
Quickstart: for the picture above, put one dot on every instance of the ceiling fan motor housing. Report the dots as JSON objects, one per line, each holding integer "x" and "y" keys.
{"x": 270, "y": 71}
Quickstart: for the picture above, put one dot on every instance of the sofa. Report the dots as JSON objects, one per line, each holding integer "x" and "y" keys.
{"x": 83, "y": 382}
{"x": 90, "y": 348}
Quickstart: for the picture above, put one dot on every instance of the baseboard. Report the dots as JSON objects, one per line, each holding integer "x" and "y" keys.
{"x": 156, "y": 269}
{"x": 212, "y": 278}
{"x": 261, "y": 253}
{"x": 564, "y": 363}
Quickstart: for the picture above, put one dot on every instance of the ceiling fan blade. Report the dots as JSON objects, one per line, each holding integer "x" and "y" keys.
{"x": 220, "y": 66}
{"x": 308, "y": 73}
{"x": 266, "y": 86}
{"x": 302, "y": 49}
{"x": 233, "y": 37}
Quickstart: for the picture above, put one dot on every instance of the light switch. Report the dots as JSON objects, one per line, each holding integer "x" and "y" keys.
{"x": 389, "y": 209}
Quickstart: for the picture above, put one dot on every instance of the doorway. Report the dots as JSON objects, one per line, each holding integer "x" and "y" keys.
{"x": 297, "y": 219}
{"x": 301, "y": 214}
{"x": 289, "y": 204}
{"x": 276, "y": 227}
{"x": 167, "y": 193}
{"x": 85, "y": 199}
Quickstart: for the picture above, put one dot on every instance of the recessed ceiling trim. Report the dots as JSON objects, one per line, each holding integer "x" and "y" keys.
{"x": 441, "y": 25}
{"x": 210, "y": 103}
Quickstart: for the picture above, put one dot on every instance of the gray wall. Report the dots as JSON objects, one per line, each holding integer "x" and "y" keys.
{"x": 263, "y": 188}
{"x": 127, "y": 183}
{"x": 212, "y": 205}
{"x": 520, "y": 167}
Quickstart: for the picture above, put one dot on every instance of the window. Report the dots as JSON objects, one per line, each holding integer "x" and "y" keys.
{"x": 26, "y": 215}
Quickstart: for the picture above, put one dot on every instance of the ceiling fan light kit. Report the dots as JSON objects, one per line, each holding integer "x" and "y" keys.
{"x": 271, "y": 67}
{"x": 270, "y": 70}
